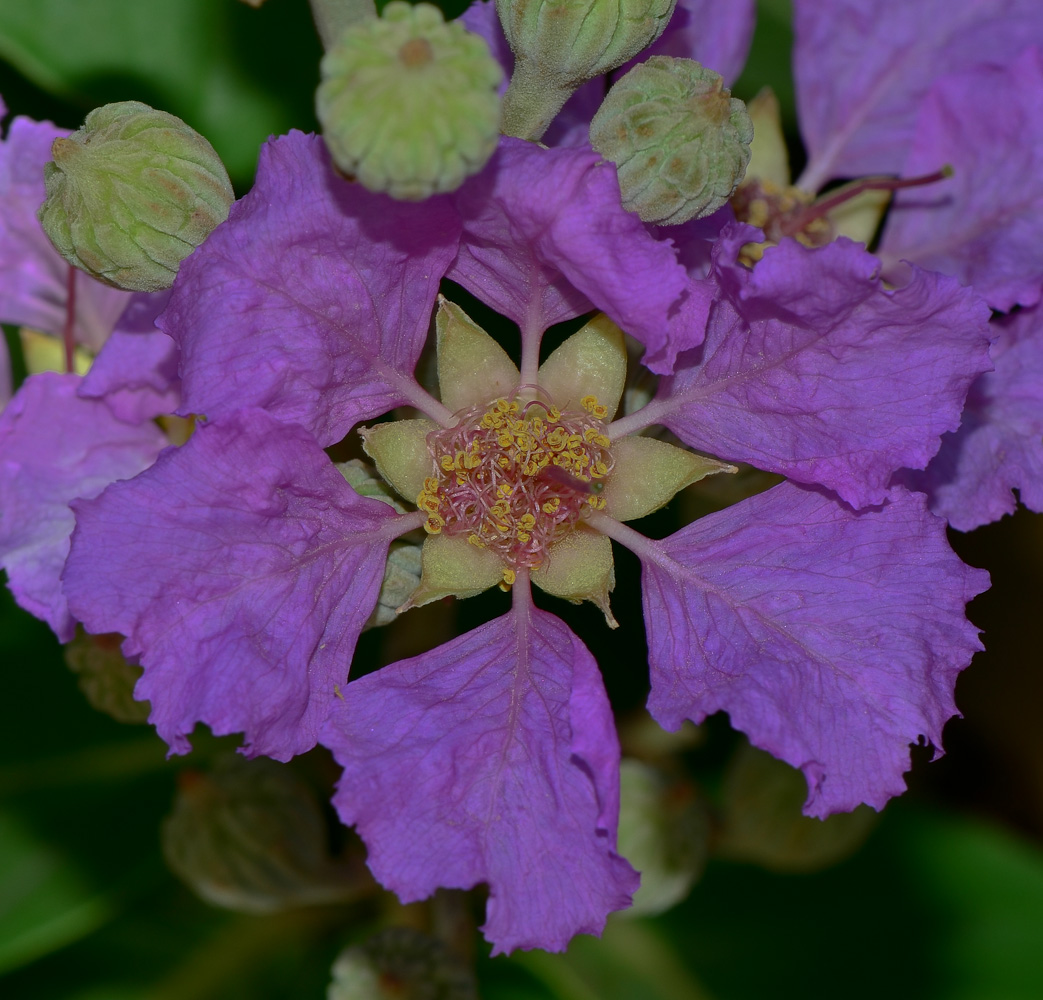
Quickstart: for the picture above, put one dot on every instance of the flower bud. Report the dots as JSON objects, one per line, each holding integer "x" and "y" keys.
{"x": 558, "y": 44}
{"x": 679, "y": 140}
{"x": 106, "y": 679}
{"x": 250, "y": 836}
{"x": 576, "y": 40}
{"x": 401, "y": 963}
{"x": 131, "y": 194}
{"x": 762, "y": 821}
{"x": 408, "y": 103}
{"x": 664, "y": 832}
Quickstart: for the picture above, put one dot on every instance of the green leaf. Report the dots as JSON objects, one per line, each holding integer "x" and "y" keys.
{"x": 45, "y": 901}
{"x": 235, "y": 74}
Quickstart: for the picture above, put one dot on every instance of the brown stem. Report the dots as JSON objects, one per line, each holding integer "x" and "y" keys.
{"x": 824, "y": 206}
{"x": 69, "y": 330}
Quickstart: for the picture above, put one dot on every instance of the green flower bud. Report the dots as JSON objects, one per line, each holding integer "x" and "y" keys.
{"x": 408, "y": 103}
{"x": 251, "y": 837}
{"x": 762, "y": 820}
{"x": 131, "y": 194}
{"x": 558, "y": 44}
{"x": 106, "y": 679}
{"x": 401, "y": 963}
{"x": 679, "y": 140}
{"x": 664, "y": 832}
{"x": 576, "y": 40}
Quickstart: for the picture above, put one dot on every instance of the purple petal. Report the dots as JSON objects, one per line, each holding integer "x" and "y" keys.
{"x": 313, "y": 300}
{"x": 241, "y": 568}
{"x": 999, "y": 446}
{"x": 491, "y": 759}
{"x": 813, "y": 370}
{"x": 55, "y": 447}
{"x": 982, "y": 224}
{"x": 716, "y": 34}
{"x": 136, "y": 371}
{"x": 832, "y": 638}
{"x": 861, "y": 70}
{"x": 545, "y": 237}
{"x": 34, "y": 291}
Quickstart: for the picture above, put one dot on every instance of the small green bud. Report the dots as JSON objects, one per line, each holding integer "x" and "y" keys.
{"x": 131, "y": 194}
{"x": 558, "y": 44}
{"x": 401, "y": 963}
{"x": 762, "y": 821}
{"x": 251, "y": 836}
{"x": 679, "y": 140}
{"x": 408, "y": 103}
{"x": 106, "y": 679}
{"x": 664, "y": 832}
{"x": 576, "y": 40}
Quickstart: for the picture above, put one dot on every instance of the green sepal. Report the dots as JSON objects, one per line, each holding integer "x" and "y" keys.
{"x": 592, "y": 362}
{"x": 472, "y": 368}
{"x": 647, "y": 473}
{"x": 399, "y": 449}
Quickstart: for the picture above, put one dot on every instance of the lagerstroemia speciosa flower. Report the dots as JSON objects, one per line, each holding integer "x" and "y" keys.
{"x": 825, "y": 615}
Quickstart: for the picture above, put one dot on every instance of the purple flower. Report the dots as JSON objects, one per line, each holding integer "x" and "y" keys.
{"x": 242, "y": 567}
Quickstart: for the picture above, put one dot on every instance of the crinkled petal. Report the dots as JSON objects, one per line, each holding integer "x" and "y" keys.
{"x": 491, "y": 759}
{"x": 813, "y": 370}
{"x": 982, "y": 224}
{"x": 34, "y": 291}
{"x": 861, "y": 70}
{"x": 832, "y": 638}
{"x": 55, "y": 447}
{"x": 241, "y": 568}
{"x": 546, "y": 239}
{"x": 313, "y": 300}
{"x": 999, "y": 446}
{"x": 136, "y": 371}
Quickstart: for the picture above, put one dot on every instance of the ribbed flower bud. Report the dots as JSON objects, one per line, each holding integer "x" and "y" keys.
{"x": 558, "y": 44}
{"x": 679, "y": 140}
{"x": 576, "y": 40}
{"x": 131, "y": 194}
{"x": 408, "y": 103}
{"x": 401, "y": 963}
{"x": 251, "y": 836}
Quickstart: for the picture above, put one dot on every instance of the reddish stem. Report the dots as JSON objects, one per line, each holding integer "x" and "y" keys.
{"x": 825, "y": 205}
{"x": 68, "y": 332}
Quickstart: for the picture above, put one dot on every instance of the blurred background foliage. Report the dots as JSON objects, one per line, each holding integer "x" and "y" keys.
{"x": 941, "y": 899}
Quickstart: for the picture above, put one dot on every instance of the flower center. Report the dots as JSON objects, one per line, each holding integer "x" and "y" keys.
{"x": 515, "y": 477}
